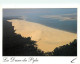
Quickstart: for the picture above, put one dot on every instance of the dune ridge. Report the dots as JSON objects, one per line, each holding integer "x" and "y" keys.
{"x": 47, "y": 38}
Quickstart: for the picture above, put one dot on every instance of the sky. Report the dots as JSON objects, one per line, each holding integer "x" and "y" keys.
{"x": 38, "y": 11}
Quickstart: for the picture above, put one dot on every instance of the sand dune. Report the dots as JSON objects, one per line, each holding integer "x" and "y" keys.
{"x": 47, "y": 38}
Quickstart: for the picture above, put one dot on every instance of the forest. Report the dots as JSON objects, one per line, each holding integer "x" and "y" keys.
{"x": 16, "y": 45}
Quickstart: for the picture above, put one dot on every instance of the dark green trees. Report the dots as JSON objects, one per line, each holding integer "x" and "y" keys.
{"x": 16, "y": 45}
{"x": 66, "y": 50}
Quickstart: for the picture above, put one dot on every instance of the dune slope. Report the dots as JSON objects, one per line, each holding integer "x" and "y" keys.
{"x": 47, "y": 38}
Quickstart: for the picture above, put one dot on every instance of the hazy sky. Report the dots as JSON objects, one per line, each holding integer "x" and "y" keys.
{"x": 48, "y": 11}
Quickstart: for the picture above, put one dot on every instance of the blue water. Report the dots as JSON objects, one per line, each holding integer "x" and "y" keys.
{"x": 70, "y": 26}
{"x": 36, "y": 15}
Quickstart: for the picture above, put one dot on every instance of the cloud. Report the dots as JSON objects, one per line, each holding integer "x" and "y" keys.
{"x": 63, "y": 17}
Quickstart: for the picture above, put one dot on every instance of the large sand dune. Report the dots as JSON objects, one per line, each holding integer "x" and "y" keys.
{"x": 47, "y": 38}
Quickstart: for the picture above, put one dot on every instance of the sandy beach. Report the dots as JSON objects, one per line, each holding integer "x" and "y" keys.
{"x": 47, "y": 38}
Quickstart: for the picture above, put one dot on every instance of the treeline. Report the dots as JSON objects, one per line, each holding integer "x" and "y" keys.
{"x": 65, "y": 50}
{"x": 16, "y": 45}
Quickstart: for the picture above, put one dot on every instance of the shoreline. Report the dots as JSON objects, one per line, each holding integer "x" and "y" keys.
{"x": 47, "y": 38}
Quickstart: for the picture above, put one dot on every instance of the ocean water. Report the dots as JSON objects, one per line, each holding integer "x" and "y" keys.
{"x": 70, "y": 25}
{"x": 59, "y": 18}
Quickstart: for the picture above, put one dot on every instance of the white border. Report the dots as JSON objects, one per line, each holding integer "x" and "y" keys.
{"x": 45, "y": 59}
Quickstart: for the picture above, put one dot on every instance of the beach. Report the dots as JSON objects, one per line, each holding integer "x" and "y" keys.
{"x": 47, "y": 38}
